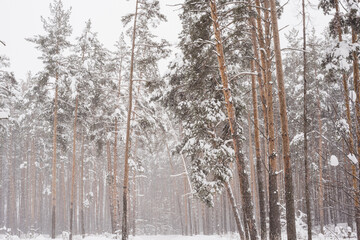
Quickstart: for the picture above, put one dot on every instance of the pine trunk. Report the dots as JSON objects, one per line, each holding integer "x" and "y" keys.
{"x": 114, "y": 185}
{"x": 357, "y": 111}
{"x": 235, "y": 210}
{"x": 306, "y": 160}
{"x": 274, "y": 206}
{"x": 243, "y": 175}
{"x": 261, "y": 79}
{"x": 73, "y": 171}
{"x": 289, "y": 195}
{"x": 125, "y": 233}
{"x": 53, "y": 172}
{"x": 82, "y": 226}
{"x": 110, "y": 188}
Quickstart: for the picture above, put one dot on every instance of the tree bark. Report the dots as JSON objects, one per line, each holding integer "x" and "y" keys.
{"x": 125, "y": 233}
{"x": 110, "y": 188}
{"x": 261, "y": 79}
{"x": 243, "y": 175}
{"x": 73, "y": 171}
{"x": 235, "y": 210}
{"x": 289, "y": 195}
{"x": 53, "y": 172}
{"x": 82, "y": 226}
{"x": 357, "y": 111}
{"x": 114, "y": 185}
{"x": 306, "y": 160}
{"x": 274, "y": 205}
{"x": 321, "y": 189}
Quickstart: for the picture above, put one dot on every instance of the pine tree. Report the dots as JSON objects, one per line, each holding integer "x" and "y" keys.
{"x": 52, "y": 46}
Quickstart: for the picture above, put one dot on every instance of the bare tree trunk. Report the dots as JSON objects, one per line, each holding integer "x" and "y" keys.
{"x": 73, "y": 171}
{"x": 251, "y": 158}
{"x": 82, "y": 187}
{"x": 185, "y": 209}
{"x": 134, "y": 203}
{"x": 125, "y": 233}
{"x": 357, "y": 111}
{"x": 53, "y": 172}
{"x": 274, "y": 206}
{"x": 306, "y": 160}
{"x": 115, "y": 199}
{"x": 261, "y": 80}
{"x": 33, "y": 183}
{"x": 289, "y": 195}
{"x": 63, "y": 193}
{"x": 110, "y": 188}
{"x": 243, "y": 175}
{"x": 321, "y": 189}
{"x": 235, "y": 210}
{"x": 177, "y": 196}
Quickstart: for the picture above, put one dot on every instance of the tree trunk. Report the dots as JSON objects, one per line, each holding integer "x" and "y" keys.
{"x": 73, "y": 171}
{"x": 125, "y": 233}
{"x": 274, "y": 206}
{"x": 357, "y": 108}
{"x": 82, "y": 226}
{"x": 134, "y": 203}
{"x": 347, "y": 105}
{"x": 243, "y": 175}
{"x": 110, "y": 188}
{"x": 289, "y": 195}
{"x": 114, "y": 185}
{"x": 53, "y": 172}
{"x": 321, "y": 189}
{"x": 33, "y": 183}
{"x": 251, "y": 158}
{"x": 235, "y": 210}
{"x": 261, "y": 79}
{"x": 306, "y": 160}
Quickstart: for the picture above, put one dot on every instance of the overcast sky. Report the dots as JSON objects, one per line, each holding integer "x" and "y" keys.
{"x": 20, "y": 19}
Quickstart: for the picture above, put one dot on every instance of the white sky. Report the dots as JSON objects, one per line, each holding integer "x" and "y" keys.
{"x": 20, "y": 19}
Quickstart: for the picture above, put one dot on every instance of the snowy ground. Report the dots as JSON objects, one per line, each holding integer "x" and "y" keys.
{"x": 165, "y": 237}
{"x": 158, "y": 237}
{"x": 331, "y": 232}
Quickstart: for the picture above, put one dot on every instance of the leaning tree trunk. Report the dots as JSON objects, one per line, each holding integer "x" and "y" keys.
{"x": 125, "y": 233}
{"x": 306, "y": 160}
{"x": 73, "y": 171}
{"x": 240, "y": 160}
{"x": 53, "y": 174}
{"x": 289, "y": 191}
{"x": 235, "y": 210}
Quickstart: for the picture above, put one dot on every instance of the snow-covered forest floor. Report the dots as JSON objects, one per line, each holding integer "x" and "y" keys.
{"x": 331, "y": 232}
